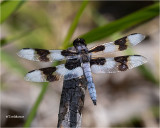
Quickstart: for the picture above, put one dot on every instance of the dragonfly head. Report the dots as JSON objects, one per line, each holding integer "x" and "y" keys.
{"x": 79, "y": 44}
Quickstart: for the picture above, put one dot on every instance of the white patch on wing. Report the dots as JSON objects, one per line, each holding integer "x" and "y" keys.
{"x": 110, "y": 63}
{"x": 106, "y": 68}
{"x": 111, "y": 66}
{"x": 135, "y": 38}
{"x": 61, "y": 69}
{"x": 110, "y": 47}
{"x": 69, "y": 74}
{"x": 26, "y": 53}
{"x": 56, "y": 55}
{"x": 35, "y": 76}
{"x": 96, "y": 68}
{"x": 135, "y": 61}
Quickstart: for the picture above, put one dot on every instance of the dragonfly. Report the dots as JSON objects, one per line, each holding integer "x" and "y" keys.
{"x": 80, "y": 61}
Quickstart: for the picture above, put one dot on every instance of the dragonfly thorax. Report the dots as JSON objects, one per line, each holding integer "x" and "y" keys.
{"x": 82, "y": 50}
{"x": 85, "y": 57}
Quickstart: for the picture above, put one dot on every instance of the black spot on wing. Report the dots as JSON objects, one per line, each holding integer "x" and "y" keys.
{"x": 121, "y": 59}
{"x": 136, "y": 55}
{"x": 123, "y": 62}
{"x": 97, "y": 48}
{"x": 31, "y": 71}
{"x": 48, "y": 72}
{"x": 133, "y": 33}
{"x": 122, "y": 43}
{"x": 43, "y": 54}
{"x": 26, "y": 48}
{"x": 72, "y": 64}
{"x": 122, "y": 67}
{"x": 68, "y": 53}
{"x": 98, "y": 61}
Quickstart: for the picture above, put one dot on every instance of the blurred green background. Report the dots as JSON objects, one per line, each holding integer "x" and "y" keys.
{"x": 128, "y": 99}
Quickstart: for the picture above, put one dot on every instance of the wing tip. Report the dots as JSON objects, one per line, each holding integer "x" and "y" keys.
{"x": 136, "y": 38}
{"x": 26, "y": 53}
{"x": 34, "y": 76}
{"x": 19, "y": 53}
{"x": 139, "y": 35}
{"x": 137, "y": 60}
{"x": 27, "y": 78}
{"x": 144, "y": 59}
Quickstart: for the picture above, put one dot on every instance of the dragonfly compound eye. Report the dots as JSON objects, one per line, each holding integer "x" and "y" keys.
{"x": 78, "y": 42}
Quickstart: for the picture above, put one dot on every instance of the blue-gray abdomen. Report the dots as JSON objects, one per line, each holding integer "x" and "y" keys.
{"x": 90, "y": 84}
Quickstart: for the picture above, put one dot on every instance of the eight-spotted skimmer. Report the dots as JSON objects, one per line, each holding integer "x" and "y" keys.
{"x": 79, "y": 61}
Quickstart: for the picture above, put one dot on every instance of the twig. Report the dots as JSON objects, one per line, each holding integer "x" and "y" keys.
{"x": 72, "y": 102}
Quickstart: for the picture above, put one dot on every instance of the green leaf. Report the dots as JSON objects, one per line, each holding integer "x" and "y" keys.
{"x": 10, "y": 61}
{"x": 36, "y": 105}
{"x": 122, "y": 24}
{"x": 8, "y": 7}
{"x": 146, "y": 72}
{"x": 74, "y": 24}
{"x": 12, "y": 38}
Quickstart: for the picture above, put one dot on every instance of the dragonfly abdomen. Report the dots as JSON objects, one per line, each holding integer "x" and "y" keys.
{"x": 90, "y": 84}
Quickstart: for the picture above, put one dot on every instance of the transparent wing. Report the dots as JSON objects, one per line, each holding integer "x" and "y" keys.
{"x": 52, "y": 74}
{"x": 120, "y": 44}
{"x": 45, "y": 55}
{"x": 116, "y": 64}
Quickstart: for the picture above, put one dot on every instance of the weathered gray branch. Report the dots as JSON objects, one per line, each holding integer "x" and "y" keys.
{"x": 72, "y": 102}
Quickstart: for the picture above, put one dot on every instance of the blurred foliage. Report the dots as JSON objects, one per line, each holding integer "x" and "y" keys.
{"x": 137, "y": 121}
{"x": 134, "y": 122}
{"x": 8, "y": 7}
{"x": 122, "y": 24}
{"x": 74, "y": 25}
{"x": 10, "y": 61}
{"x": 156, "y": 111}
{"x": 16, "y": 37}
{"x": 146, "y": 72}
{"x": 36, "y": 105}
{"x": 41, "y": 32}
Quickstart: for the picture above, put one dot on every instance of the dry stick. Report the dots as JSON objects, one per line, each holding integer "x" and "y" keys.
{"x": 72, "y": 102}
